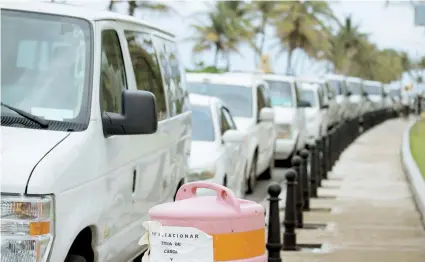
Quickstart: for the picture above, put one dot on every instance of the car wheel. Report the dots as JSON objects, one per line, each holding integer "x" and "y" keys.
{"x": 268, "y": 173}
{"x": 252, "y": 176}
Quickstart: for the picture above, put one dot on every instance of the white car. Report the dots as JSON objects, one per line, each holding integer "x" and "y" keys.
{"x": 96, "y": 130}
{"x": 356, "y": 96}
{"x": 218, "y": 148}
{"x": 289, "y": 116}
{"x": 316, "y": 112}
{"x": 245, "y": 94}
{"x": 339, "y": 104}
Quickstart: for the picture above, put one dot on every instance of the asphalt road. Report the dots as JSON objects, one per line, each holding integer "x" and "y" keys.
{"x": 260, "y": 194}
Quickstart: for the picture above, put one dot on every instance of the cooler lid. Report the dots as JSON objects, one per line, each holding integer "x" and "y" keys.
{"x": 190, "y": 206}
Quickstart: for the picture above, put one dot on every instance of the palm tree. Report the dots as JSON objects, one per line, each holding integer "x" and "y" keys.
{"x": 144, "y": 5}
{"x": 305, "y": 26}
{"x": 347, "y": 43}
{"x": 223, "y": 32}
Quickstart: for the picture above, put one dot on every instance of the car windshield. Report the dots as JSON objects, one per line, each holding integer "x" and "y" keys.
{"x": 237, "y": 98}
{"x": 354, "y": 88}
{"x": 202, "y": 124}
{"x": 308, "y": 95}
{"x": 372, "y": 90}
{"x": 281, "y": 93}
{"x": 45, "y": 65}
{"x": 336, "y": 86}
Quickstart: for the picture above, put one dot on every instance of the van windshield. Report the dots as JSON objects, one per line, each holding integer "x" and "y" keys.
{"x": 45, "y": 65}
{"x": 354, "y": 88}
{"x": 202, "y": 124}
{"x": 336, "y": 86}
{"x": 281, "y": 93}
{"x": 372, "y": 90}
{"x": 237, "y": 98}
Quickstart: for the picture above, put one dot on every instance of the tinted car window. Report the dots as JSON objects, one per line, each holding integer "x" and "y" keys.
{"x": 202, "y": 124}
{"x": 280, "y": 93}
{"x": 336, "y": 86}
{"x": 354, "y": 88}
{"x": 146, "y": 68}
{"x": 237, "y": 98}
{"x": 308, "y": 95}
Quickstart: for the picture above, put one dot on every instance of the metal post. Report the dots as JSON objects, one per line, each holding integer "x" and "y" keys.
{"x": 290, "y": 221}
{"x": 313, "y": 169}
{"x": 305, "y": 179}
{"x": 299, "y": 199}
{"x": 273, "y": 239}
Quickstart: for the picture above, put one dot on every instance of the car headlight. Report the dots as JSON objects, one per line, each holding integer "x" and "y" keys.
{"x": 27, "y": 228}
{"x": 284, "y": 131}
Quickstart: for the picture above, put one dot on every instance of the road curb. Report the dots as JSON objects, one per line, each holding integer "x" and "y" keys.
{"x": 416, "y": 181}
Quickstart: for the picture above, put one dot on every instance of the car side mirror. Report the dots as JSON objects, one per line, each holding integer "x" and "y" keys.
{"x": 325, "y": 106}
{"x": 233, "y": 136}
{"x": 349, "y": 93}
{"x": 365, "y": 94}
{"x": 266, "y": 114}
{"x": 303, "y": 103}
{"x": 138, "y": 118}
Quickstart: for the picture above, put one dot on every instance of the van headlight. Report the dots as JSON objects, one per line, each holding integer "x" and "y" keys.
{"x": 27, "y": 228}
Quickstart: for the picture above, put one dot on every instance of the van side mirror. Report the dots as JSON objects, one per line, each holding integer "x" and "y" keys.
{"x": 365, "y": 94}
{"x": 326, "y": 106}
{"x": 138, "y": 118}
{"x": 303, "y": 103}
{"x": 266, "y": 114}
{"x": 233, "y": 136}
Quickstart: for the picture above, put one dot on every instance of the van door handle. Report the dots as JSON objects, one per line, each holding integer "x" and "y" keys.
{"x": 133, "y": 188}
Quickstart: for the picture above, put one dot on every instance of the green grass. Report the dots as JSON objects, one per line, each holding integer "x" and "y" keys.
{"x": 417, "y": 144}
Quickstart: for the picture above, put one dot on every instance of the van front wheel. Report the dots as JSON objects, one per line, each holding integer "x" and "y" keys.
{"x": 75, "y": 258}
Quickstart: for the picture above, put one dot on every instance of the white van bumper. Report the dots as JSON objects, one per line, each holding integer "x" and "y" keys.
{"x": 284, "y": 148}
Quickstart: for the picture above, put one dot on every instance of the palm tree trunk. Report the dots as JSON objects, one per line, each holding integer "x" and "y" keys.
{"x": 217, "y": 51}
{"x": 263, "y": 38}
{"x": 111, "y": 5}
{"x": 228, "y": 61}
{"x": 289, "y": 61}
{"x": 132, "y": 5}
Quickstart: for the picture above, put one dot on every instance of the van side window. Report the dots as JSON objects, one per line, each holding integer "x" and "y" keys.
{"x": 225, "y": 125}
{"x": 112, "y": 73}
{"x": 229, "y": 118}
{"x": 146, "y": 68}
{"x": 171, "y": 70}
{"x": 260, "y": 99}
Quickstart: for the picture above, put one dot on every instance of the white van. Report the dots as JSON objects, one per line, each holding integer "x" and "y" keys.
{"x": 356, "y": 96}
{"x": 96, "y": 130}
{"x": 375, "y": 93}
{"x": 339, "y": 102}
{"x": 289, "y": 116}
{"x": 246, "y": 96}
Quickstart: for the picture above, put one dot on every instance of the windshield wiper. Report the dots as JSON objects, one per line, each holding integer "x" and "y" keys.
{"x": 42, "y": 122}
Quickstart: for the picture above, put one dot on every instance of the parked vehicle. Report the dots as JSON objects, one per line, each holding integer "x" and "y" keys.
{"x": 356, "y": 96}
{"x": 340, "y": 106}
{"x": 96, "y": 130}
{"x": 245, "y": 94}
{"x": 375, "y": 94}
{"x": 315, "y": 114}
{"x": 218, "y": 148}
{"x": 290, "y": 115}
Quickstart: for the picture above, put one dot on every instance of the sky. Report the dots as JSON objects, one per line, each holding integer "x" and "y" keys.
{"x": 388, "y": 27}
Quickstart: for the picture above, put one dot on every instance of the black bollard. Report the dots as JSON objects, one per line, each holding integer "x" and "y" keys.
{"x": 305, "y": 179}
{"x": 319, "y": 165}
{"x": 273, "y": 239}
{"x": 290, "y": 221}
{"x": 325, "y": 156}
{"x": 313, "y": 169}
{"x": 299, "y": 199}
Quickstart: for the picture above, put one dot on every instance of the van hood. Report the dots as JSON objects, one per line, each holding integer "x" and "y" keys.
{"x": 339, "y": 99}
{"x": 375, "y": 98}
{"x": 21, "y": 150}
{"x": 243, "y": 123}
{"x": 311, "y": 113}
{"x": 284, "y": 115}
{"x": 355, "y": 98}
{"x": 202, "y": 154}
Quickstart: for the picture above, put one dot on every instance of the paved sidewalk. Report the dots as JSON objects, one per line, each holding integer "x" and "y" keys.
{"x": 373, "y": 217}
